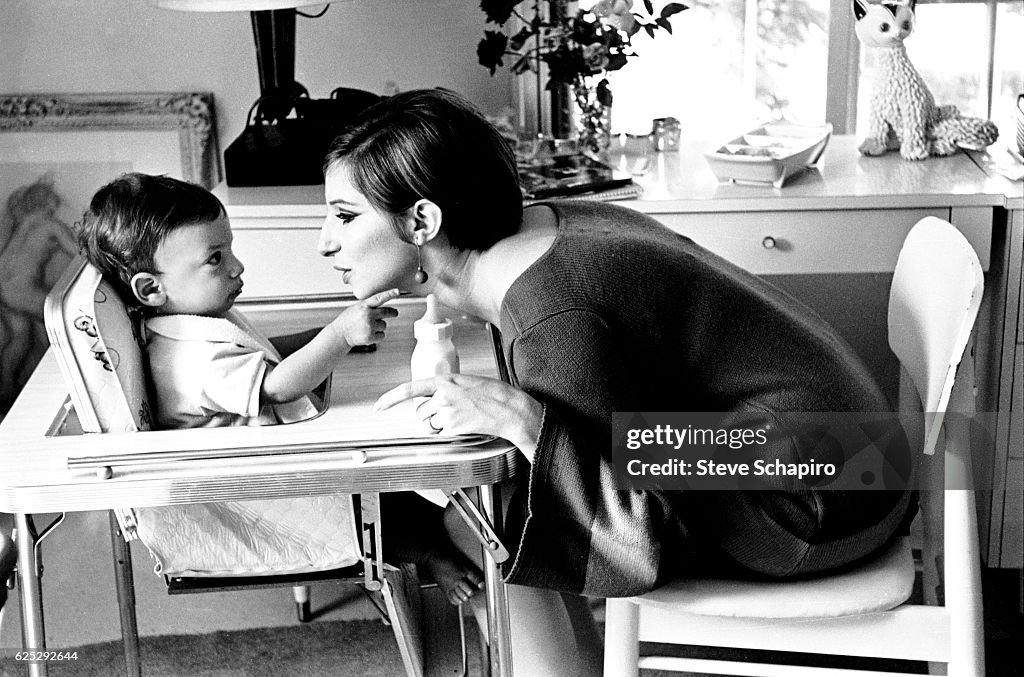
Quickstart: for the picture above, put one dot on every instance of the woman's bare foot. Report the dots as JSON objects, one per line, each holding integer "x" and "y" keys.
{"x": 455, "y": 575}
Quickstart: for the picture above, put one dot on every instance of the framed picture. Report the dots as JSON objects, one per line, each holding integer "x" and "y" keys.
{"x": 56, "y": 150}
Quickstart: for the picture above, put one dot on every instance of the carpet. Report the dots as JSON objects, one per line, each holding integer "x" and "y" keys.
{"x": 330, "y": 648}
{"x": 322, "y": 648}
{"x": 368, "y": 647}
{"x": 341, "y": 648}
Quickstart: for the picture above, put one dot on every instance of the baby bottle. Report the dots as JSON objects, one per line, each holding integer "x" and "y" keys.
{"x": 434, "y": 353}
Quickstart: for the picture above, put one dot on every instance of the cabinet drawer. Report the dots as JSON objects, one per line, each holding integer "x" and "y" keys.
{"x": 807, "y": 242}
{"x": 280, "y": 254}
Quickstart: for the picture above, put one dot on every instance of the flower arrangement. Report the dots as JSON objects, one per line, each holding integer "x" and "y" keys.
{"x": 578, "y": 42}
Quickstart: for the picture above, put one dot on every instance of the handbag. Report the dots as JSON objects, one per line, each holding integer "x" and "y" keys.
{"x": 289, "y": 151}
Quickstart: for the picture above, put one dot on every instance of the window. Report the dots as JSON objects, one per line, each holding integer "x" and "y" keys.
{"x": 727, "y": 65}
{"x": 733, "y": 63}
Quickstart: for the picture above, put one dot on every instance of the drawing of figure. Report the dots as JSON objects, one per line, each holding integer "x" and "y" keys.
{"x": 35, "y": 248}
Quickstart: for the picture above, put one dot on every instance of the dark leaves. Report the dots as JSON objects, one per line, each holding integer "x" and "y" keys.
{"x": 520, "y": 38}
{"x": 565, "y": 64}
{"x": 498, "y": 11}
{"x": 585, "y": 43}
{"x": 615, "y": 62}
{"x": 604, "y": 93}
{"x": 491, "y": 50}
{"x": 585, "y": 32}
{"x": 672, "y": 8}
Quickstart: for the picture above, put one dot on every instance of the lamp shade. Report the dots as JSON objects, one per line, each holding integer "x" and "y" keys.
{"x": 233, "y": 5}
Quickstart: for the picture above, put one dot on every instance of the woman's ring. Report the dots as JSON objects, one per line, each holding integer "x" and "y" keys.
{"x": 430, "y": 422}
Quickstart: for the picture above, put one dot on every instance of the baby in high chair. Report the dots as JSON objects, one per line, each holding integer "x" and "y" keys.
{"x": 165, "y": 245}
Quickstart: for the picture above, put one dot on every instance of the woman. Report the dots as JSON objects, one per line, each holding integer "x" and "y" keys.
{"x": 601, "y": 309}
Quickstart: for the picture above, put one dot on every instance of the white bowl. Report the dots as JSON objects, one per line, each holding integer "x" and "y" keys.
{"x": 769, "y": 154}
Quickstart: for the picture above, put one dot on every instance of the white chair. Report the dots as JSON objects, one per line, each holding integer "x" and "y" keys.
{"x": 933, "y": 303}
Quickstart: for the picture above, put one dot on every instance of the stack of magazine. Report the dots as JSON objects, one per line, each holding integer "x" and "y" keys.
{"x": 574, "y": 177}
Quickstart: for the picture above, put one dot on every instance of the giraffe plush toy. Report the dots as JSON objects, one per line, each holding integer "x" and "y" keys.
{"x": 904, "y": 116}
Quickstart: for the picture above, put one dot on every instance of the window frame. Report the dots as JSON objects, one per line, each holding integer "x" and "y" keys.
{"x": 841, "y": 80}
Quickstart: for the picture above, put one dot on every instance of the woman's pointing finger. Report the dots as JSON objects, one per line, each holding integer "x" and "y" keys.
{"x": 403, "y": 392}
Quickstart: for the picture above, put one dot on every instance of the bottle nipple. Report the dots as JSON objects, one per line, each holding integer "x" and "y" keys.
{"x": 432, "y": 326}
{"x": 431, "y": 316}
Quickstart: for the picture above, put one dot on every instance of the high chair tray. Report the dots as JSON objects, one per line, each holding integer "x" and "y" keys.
{"x": 350, "y": 448}
{"x": 397, "y": 444}
{"x": 769, "y": 154}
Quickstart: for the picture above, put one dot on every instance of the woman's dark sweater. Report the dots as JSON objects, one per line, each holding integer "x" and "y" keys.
{"x": 622, "y": 314}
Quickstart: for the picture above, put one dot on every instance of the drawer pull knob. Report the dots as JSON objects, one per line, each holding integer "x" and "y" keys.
{"x": 768, "y": 242}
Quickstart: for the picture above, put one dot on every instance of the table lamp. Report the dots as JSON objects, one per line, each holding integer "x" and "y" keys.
{"x": 286, "y": 132}
{"x": 273, "y": 29}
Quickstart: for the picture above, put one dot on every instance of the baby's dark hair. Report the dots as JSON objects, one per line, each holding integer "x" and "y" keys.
{"x": 129, "y": 217}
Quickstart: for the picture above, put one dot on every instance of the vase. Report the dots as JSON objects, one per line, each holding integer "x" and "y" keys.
{"x": 593, "y": 117}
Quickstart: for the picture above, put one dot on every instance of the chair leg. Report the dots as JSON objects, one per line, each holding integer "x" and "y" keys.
{"x": 33, "y": 629}
{"x": 124, "y": 579}
{"x": 621, "y": 638}
{"x": 8, "y": 561}
{"x": 404, "y": 604}
{"x": 302, "y": 606}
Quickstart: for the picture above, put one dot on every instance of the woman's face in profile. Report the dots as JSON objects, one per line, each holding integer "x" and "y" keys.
{"x": 362, "y": 240}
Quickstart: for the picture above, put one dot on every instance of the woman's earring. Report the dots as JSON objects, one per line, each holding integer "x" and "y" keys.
{"x": 421, "y": 275}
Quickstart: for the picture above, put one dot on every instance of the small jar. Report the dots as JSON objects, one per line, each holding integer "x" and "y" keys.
{"x": 665, "y": 134}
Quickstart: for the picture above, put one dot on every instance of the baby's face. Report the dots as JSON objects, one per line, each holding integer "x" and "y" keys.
{"x": 197, "y": 269}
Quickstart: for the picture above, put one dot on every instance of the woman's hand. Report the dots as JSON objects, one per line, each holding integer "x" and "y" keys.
{"x": 460, "y": 404}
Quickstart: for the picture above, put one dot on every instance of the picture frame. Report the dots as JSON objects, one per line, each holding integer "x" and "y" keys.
{"x": 188, "y": 116}
{"x": 56, "y": 150}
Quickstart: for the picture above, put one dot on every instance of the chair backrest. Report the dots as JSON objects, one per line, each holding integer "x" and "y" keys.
{"x": 933, "y": 303}
{"x": 97, "y": 344}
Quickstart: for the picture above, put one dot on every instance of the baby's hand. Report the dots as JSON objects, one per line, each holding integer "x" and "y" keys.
{"x": 364, "y": 323}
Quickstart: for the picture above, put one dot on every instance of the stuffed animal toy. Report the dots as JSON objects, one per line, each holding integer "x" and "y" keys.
{"x": 904, "y": 116}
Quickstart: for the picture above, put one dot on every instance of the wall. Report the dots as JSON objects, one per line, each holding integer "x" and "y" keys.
{"x": 65, "y": 46}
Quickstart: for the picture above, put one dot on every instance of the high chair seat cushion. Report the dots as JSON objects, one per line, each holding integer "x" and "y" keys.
{"x": 884, "y": 582}
{"x": 251, "y": 538}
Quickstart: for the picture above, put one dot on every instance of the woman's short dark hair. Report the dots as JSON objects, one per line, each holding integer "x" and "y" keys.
{"x": 433, "y": 144}
{"x": 129, "y": 217}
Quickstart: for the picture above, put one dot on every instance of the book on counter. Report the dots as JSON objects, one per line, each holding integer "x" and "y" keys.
{"x": 574, "y": 176}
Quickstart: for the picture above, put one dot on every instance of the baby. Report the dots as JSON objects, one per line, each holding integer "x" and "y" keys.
{"x": 166, "y": 246}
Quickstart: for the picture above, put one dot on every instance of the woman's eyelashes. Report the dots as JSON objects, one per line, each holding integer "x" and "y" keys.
{"x": 344, "y": 217}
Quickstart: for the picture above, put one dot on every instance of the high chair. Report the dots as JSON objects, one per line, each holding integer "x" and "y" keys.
{"x": 97, "y": 344}
{"x": 865, "y": 612}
